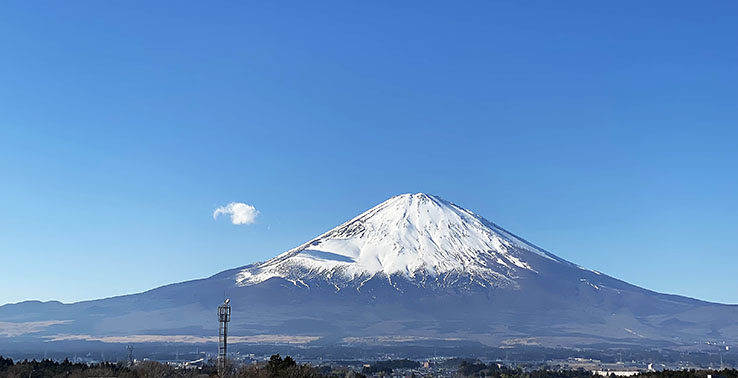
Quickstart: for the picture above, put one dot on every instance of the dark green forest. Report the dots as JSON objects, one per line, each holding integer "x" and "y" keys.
{"x": 275, "y": 367}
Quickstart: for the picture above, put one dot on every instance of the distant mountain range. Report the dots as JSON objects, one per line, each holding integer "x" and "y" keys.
{"x": 415, "y": 268}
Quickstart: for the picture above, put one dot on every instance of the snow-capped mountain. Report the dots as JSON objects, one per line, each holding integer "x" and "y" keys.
{"x": 415, "y": 267}
{"x": 418, "y": 237}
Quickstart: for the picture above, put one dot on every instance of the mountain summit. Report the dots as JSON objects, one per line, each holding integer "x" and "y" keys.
{"x": 419, "y": 237}
{"x": 415, "y": 267}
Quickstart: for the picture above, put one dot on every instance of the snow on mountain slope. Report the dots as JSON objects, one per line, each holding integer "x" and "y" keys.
{"x": 413, "y": 235}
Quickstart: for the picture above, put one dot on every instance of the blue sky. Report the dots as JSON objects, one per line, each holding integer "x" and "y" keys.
{"x": 605, "y": 133}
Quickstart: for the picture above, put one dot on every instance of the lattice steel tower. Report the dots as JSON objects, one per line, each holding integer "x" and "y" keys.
{"x": 130, "y": 355}
{"x": 224, "y": 316}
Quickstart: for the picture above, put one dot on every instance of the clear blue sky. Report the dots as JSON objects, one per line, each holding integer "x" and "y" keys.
{"x": 604, "y": 132}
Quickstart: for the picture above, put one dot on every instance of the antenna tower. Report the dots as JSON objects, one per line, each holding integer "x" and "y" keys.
{"x": 130, "y": 355}
{"x": 224, "y": 316}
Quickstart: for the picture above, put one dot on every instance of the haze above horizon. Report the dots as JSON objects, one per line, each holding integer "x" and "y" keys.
{"x": 603, "y": 133}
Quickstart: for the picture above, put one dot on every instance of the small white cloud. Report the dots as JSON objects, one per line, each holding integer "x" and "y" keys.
{"x": 240, "y": 212}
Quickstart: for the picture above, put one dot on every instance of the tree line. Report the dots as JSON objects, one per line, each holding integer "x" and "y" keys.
{"x": 278, "y": 367}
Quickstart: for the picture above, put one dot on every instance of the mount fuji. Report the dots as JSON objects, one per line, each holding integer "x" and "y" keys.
{"x": 413, "y": 268}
